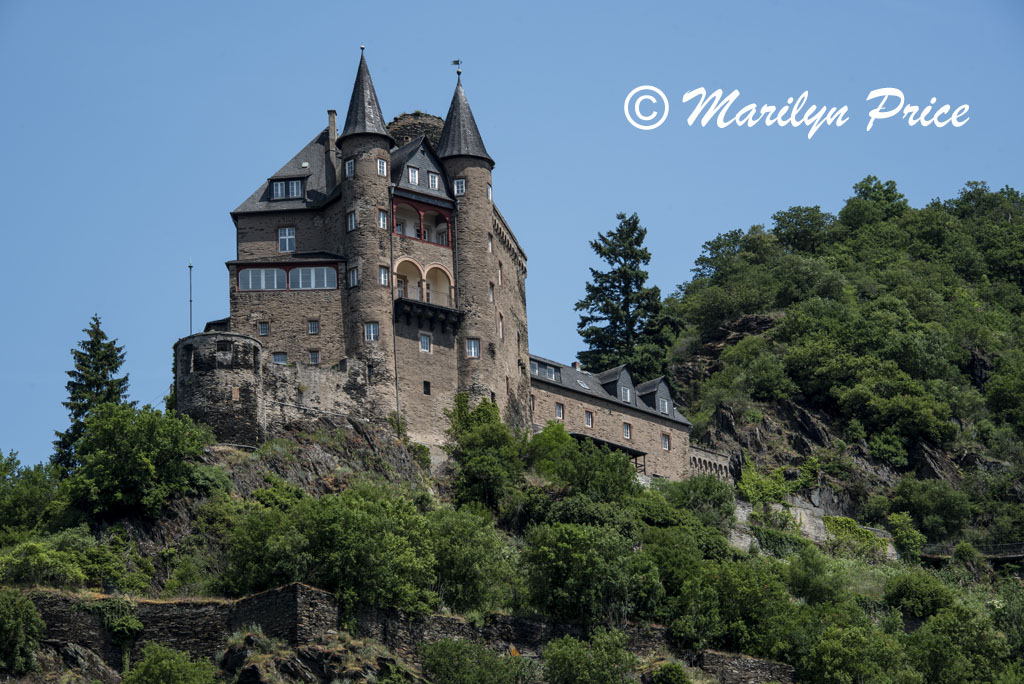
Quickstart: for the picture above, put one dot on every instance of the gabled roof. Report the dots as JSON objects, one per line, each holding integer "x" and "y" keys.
{"x": 460, "y": 136}
{"x": 650, "y": 385}
{"x": 364, "y": 114}
{"x": 419, "y": 153}
{"x": 314, "y": 154}
{"x": 594, "y": 385}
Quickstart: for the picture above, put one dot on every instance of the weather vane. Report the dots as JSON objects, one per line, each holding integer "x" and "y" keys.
{"x": 458, "y": 63}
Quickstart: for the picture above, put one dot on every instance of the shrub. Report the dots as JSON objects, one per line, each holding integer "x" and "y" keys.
{"x": 905, "y": 537}
{"x": 168, "y": 666}
{"x": 938, "y": 510}
{"x": 21, "y": 628}
{"x": 670, "y": 673}
{"x": 707, "y": 496}
{"x": 456, "y": 661}
{"x": 917, "y": 592}
{"x": 601, "y": 660}
{"x": 474, "y": 566}
{"x": 848, "y": 538}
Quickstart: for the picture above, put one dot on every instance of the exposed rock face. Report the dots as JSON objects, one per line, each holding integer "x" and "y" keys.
{"x": 732, "y": 668}
{"x": 405, "y": 127}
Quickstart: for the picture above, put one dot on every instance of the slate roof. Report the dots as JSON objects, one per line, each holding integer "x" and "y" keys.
{"x": 571, "y": 379}
{"x": 364, "y": 114}
{"x": 291, "y": 256}
{"x": 419, "y": 153}
{"x": 460, "y": 136}
{"x": 315, "y": 155}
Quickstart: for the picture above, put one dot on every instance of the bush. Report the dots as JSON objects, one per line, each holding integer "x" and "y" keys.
{"x": 456, "y": 661}
{"x": 21, "y": 628}
{"x": 707, "y": 496}
{"x": 848, "y": 538}
{"x": 917, "y": 592}
{"x": 168, "y": 666}
{"x": 938, "y": 510}
{"x": 474, "y": 568}
{"x": 905, "y": 537}
{"x": 670, "y": 673}
{"x": 584, "y": 467}
{"x": 601, "y": 660}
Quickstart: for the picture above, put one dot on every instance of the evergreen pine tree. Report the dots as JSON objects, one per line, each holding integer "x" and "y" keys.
{"x": 621, "y": 317}
{"x": 93, "y": 382}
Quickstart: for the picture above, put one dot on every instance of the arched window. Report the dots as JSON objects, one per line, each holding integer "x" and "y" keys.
{"x": 262, "y": 279}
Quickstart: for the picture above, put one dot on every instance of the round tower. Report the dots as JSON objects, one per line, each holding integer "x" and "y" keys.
{"x": 490, "y": 274}
{"x": 363, "y": 226}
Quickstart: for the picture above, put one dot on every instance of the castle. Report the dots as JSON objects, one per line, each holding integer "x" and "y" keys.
{"x": 374, "y": 274}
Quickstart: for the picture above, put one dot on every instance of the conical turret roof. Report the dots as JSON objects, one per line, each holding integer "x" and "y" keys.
{"x": 461, "y": 137}
{"x": 363, "y": 109}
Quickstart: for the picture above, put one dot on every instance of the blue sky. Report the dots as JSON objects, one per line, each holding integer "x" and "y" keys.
{"x": 129, "y": 131}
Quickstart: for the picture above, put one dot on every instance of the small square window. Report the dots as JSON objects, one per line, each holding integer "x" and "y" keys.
{"x": 280, "y": 358}
{"x": 627, "y": 431}
{"x": 314, "y": 357}
{"x": 414, "y": 175}
{"x": 588, "y": 416}
{"x": 350, "y": 221}
{"x": 460, "y": 187}
{"x": 353, "y": 277}
{"x": 433, "y": 180}
{"x": 382, "y": 167}
{"x": 313, "y": 327}
{"x": 285, "y": 239}
{"x": 490, "y": 193}
{"x": 383, "y": 276}
{"x": 382, "y": 219}
{"x": 371, "y": 332}
{"x": 559, "y": 411}
{"x": 350, "y": 168}
{"x": 424, "y": 342}
{"x": 264, "y": 328}
{"x": 473, "y": 347}
{"x": 426, "y": 387}
{"x": 666, "y": 442}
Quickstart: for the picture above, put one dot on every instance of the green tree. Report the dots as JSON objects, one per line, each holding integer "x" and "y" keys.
{"x": 168, "y": 666}
{"x": 621, "y": 315}
{"x": 24, "y": 494}
{"x": 601, "y": 660}
{"x": 457, "y": 661}
{"x": 21, "y": 628}
{"x": 93, "y": 382}
{"x": 474, "y": 563}
{"x": 905, "y": 537}
{"x": 706, "y": 495}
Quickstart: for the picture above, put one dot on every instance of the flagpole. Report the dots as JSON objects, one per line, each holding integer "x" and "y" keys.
{"x": 190, "y": 296}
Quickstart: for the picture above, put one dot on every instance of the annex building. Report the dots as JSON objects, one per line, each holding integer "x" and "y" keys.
{"x": 374, "y": 275}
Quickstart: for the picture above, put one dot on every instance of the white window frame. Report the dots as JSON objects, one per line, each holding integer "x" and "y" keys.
{"x": 313, "y": 278}
{"x": 353, "y": 276}
{"x": 627, "y": 431}
{"x": 588, "y": 418}
{"x": 663, "y": 406}
{"x": 350, "y": 168}
{"x": 460, "y": 187}
{"x": 559, "y": 410}
{"x": 414, "y": 176}
{"x": 248, "y": 274}
{"x": 313, "y": 326}
{"x": 666, "y": 442}
{"x": 350, "y": 221}
{"x": 371, "y": 331}
{"x": 626, "y": 394}
{"x": 263, "y": 328}
{"x": 280, "y": 358}
{"x": 383, "y": 276}
{"x": 314, "y": 357}
{"x": 278, "y": 190}
{"x": 433, "y": 180}
{"x": 490, "y": 193}
{"x": 472, "y": 347}
{"x": 382, "y": 167}
{"x": 286, "y": 237}
{"x": 294, "y": 188}
{"x": 382, "y": 219}
{"x": 428, "y": 338}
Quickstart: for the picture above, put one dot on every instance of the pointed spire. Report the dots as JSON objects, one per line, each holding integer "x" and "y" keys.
{"x": 461, "y": 137}
{"x": 364, "y": 114}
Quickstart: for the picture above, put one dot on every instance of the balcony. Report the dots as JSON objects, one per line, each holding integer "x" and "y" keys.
{"x": 417, "y": 294}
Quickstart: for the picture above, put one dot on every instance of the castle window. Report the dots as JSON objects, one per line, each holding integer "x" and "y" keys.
{"x": 313, "y": 278}
{"x": 424, "y": 342}
{"x": 663, "y": 405}
{"x": 494, "y": 399}
{"x": 280, "y": 358}
{"x": 314, "y": 357}
{"x": 262, "y": 279}
{"x": 350, "y": 168}
{"x": 666, "y": 442}
{"x": 627, "y": 431}
{"x": 353, "y": 277}
{"x": 382, "y": 219}
{"x": 500, "y": 270}
{"x": 501, "y": 326}
{"x": 625, "y": 393}
{"x": 224, "y": 345}
{"x": 414, "y": 175}
{"x": 490, "y": 243}
{"x": 426, "y": 387}
{"x": 490, "y": 193}
{"x": 263, "y": 327}
{"x": 490, "y": 291}
{"x": 313, "y": 326}
{"x": 533, "y": 402}
{"x": 433, "y": 180}
{"x": 285, "y": 239}
{"x": 382, "y": 167}
{"x": 384, "y": 275}
{"x": 508, "y": 386}
{"x": 588, "y": 417}
{"x": 559, "y": 411}
{"x": 371, "y": 331}
{"x": 350, "y": 221}
{"x": 460, "y": 187}
{"x": 473, "y": 347}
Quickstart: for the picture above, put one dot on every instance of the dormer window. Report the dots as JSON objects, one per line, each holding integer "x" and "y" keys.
{"x": 433, "y": 180}
{"x": 460, "y": 187}
{"x": 286, "y": 189}
{"x": 626, "y": 394}
{"x": 663, "y": 406}
{"x": 414, "y": 175}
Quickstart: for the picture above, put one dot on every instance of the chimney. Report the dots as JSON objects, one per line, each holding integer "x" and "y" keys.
{"x": 332, "y": 140}
{"x": 576, "y": 365}
{"x": 332, "y": 129}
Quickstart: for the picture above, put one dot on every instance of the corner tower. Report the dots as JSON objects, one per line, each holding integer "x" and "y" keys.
{"x": 490, "y": 273}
